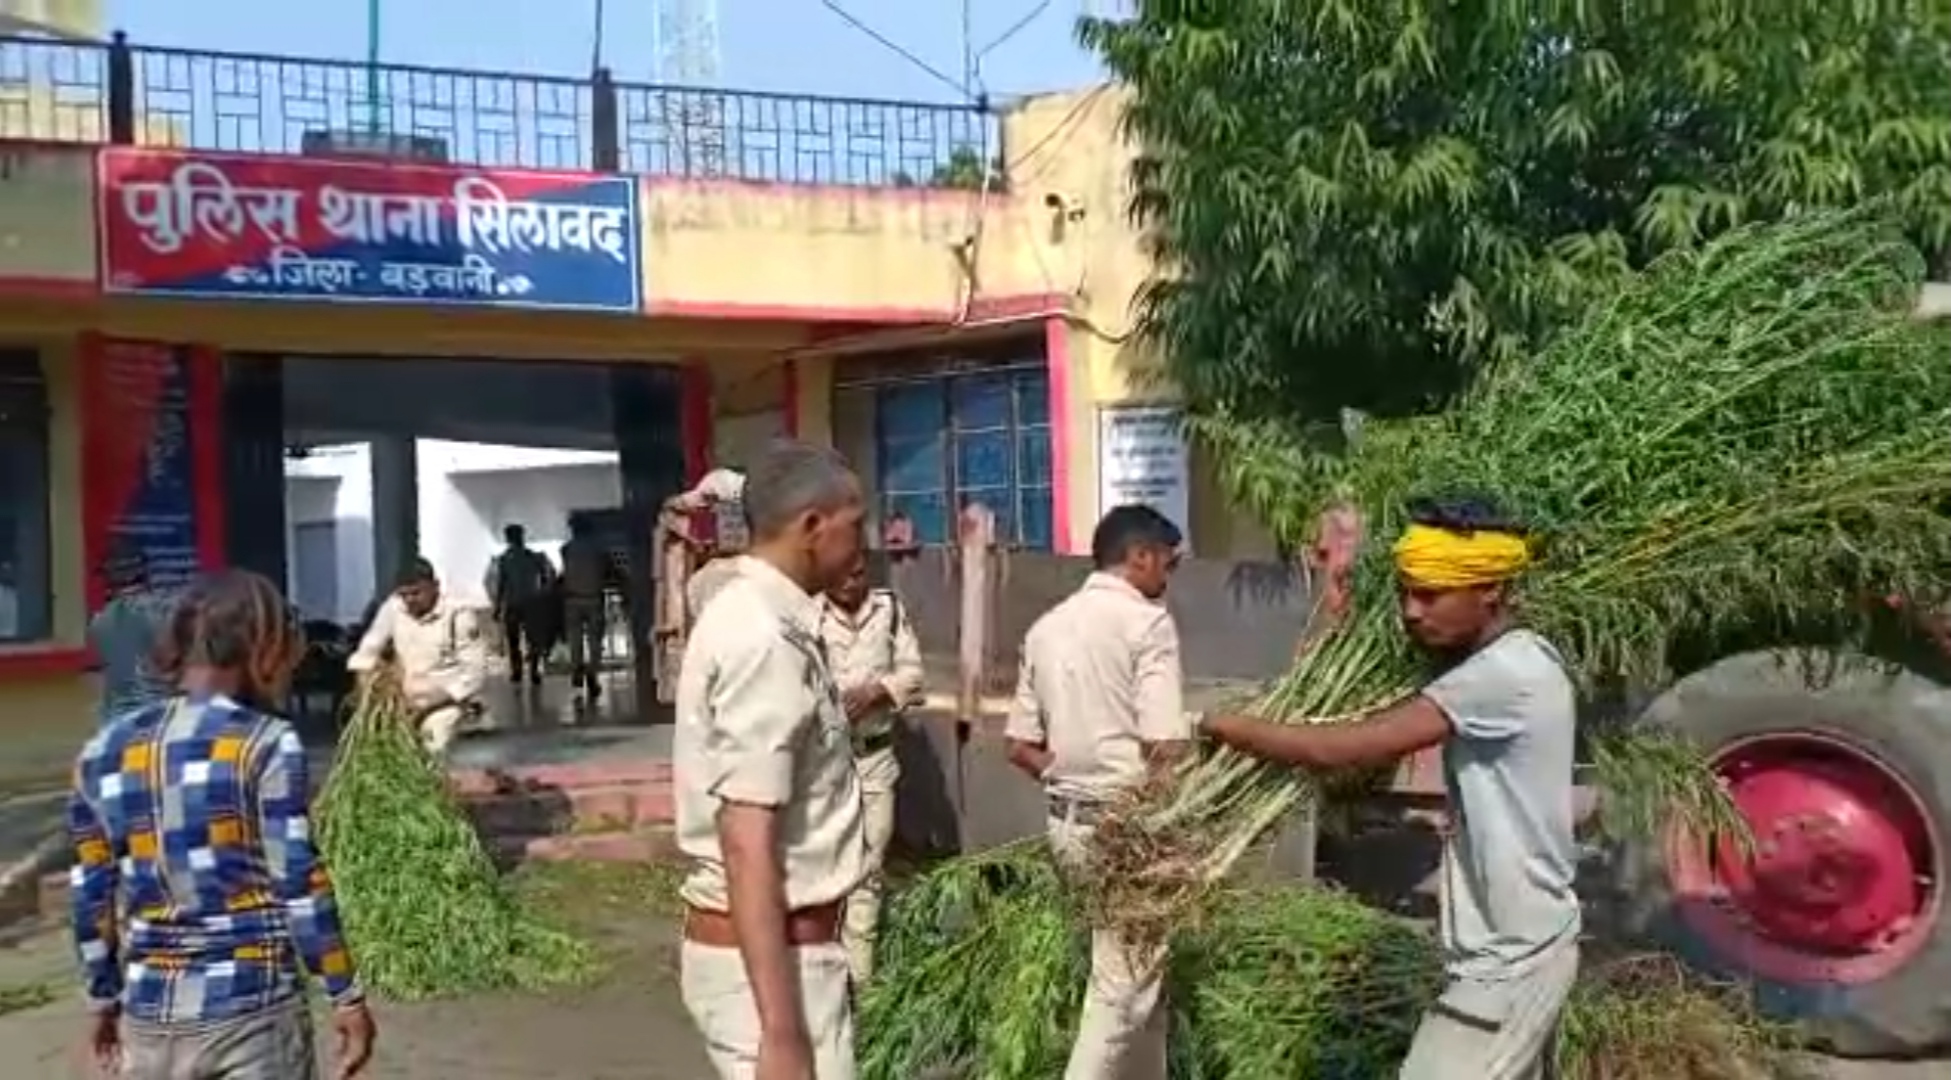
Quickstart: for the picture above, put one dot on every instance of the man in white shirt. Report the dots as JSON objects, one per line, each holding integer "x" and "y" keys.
{"x": 438, "y": 646}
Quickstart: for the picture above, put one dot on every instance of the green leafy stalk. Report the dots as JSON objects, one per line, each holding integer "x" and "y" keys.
{"x": 424, "y": 906}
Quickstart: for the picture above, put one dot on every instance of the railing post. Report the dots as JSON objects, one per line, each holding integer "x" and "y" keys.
{"x": 121, "y": 90}
{"x": 605, "y": 134}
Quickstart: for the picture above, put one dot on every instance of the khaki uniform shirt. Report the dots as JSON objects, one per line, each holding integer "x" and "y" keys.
{"x": 706, "y": 582}
{"x": 874, "y": 644}
{"x": 759, "y": 722}
{"x": 1099, "y": 678}
{"x": 441, "y": 652}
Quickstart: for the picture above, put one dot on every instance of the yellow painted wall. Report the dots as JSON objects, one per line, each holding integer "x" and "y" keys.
{"x": 47, "y": 213}
{"x": 826, "y": 251}
{"x": 1086, "y": 250}
{"x": 44, "y": 718}
{"x": 1084, "y": 257}
{"x": 64, "y": 18}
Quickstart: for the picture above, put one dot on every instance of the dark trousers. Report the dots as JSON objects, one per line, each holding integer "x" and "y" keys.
{"x": 520, "y": 629}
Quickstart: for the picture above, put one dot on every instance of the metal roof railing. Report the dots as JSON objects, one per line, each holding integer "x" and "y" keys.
{"x": 117, "y": 92}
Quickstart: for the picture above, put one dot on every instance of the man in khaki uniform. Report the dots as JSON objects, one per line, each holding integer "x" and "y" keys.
{"x": 877, "y": 663}
{"x": 1099, "y": 706}
{"x": 719, "y": 490}
{"x": 438, "y": 645}
{"x": 768, "y": 802}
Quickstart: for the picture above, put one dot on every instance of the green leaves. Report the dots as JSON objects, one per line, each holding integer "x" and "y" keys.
{"x": 1367, "y": 202}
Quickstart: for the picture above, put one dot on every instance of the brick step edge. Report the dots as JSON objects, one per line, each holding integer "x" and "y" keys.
{"x": 474, "y": 783}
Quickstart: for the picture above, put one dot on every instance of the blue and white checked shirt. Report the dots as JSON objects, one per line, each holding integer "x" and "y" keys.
{"x": 194, "y": 813}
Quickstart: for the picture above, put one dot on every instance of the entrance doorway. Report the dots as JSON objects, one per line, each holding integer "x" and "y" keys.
{"x": 380, "y": 460}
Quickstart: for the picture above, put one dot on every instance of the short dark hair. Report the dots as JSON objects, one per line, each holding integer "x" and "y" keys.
{"x": 1465, "y": 512}
{"x": 1127, "y": 528}
{"x": 514, "y": 534}
{"x": 417, "y": 571}
{"x": 792, "y": 478}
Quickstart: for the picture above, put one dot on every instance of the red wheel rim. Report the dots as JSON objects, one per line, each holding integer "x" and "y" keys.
{"x": 1843, "y": 884}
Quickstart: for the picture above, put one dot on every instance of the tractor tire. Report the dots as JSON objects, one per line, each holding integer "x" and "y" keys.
{"x": 1896, "y": 721}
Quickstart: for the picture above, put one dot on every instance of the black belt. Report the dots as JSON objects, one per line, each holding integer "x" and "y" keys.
{"x": 1075, "y": 811}
{"x": 874, "y": 744}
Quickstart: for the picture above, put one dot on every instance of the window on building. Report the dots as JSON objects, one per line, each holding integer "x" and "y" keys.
{"x": 983, "y": 437}
{"x": 26, "y": 592}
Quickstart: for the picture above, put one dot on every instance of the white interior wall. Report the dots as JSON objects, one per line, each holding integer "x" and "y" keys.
{"x": 466, "y": 493}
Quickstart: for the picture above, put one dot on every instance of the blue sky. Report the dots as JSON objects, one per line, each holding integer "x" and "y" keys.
{"x": 785, "y": 45}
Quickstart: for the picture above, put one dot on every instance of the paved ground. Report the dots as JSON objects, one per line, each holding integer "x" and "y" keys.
{"x": 630, "y": 1028}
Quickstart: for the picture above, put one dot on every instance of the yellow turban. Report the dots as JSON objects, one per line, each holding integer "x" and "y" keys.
{"x": 1432, "y": 558}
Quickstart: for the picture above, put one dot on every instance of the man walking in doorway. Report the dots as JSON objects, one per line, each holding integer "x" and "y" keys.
{"x": 877, "y": 664}
{"x": 520, "y": 581}
{"x": 437, "y": 644}
{"x": 587, "y": 572}
{"x": 1100, "y": 709}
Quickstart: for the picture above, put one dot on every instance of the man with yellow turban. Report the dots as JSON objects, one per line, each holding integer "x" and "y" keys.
{"x": 1502, "y": 707}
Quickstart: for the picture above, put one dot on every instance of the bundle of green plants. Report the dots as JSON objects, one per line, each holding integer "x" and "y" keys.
{"x": 425, "y": 908}
{"x": 984, "y": 967}
{"x": 1738, "y": 448}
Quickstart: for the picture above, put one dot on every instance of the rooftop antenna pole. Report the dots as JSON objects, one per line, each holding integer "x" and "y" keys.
{"x": 686, "y": 37}
{"x": 372, "y": 66}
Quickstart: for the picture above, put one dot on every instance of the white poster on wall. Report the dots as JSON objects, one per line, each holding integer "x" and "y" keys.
{"x": 1142, "y": 458}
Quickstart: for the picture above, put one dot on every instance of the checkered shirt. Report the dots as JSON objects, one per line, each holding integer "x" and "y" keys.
{"x": 193, "y": 815}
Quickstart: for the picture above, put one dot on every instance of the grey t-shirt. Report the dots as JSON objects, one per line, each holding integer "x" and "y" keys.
{"x": 1511, "y": 857}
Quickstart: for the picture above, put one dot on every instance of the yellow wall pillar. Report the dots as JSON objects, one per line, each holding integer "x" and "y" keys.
{"x": 809, "y": 399}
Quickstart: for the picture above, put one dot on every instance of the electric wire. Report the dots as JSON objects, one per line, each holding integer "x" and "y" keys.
{"x": 896, "y": 48}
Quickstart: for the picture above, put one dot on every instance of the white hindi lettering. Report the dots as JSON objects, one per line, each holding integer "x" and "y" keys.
{"x": 199, "y": 198}
{"x": 486, "y": 219}
{"x": 292, "y": 268}
{"x": 481, "y": 215}
{"x": 366, "y": 217}
{"x": 475, "y": 276}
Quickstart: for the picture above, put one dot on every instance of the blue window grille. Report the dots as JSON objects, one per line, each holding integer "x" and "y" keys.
{"x": 943, "y": 442}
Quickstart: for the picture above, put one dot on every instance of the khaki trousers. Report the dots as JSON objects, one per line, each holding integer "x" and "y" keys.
{"x": 438, "y": 729}
{"x": 1495, "y": 1030}
{"x": 879, "y": 772}
{"x": 1121, "y": 1031}
{"x": 719, "y": 998}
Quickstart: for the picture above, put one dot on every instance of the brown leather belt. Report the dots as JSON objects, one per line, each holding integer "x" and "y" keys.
{"x": 808, "y": 926}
